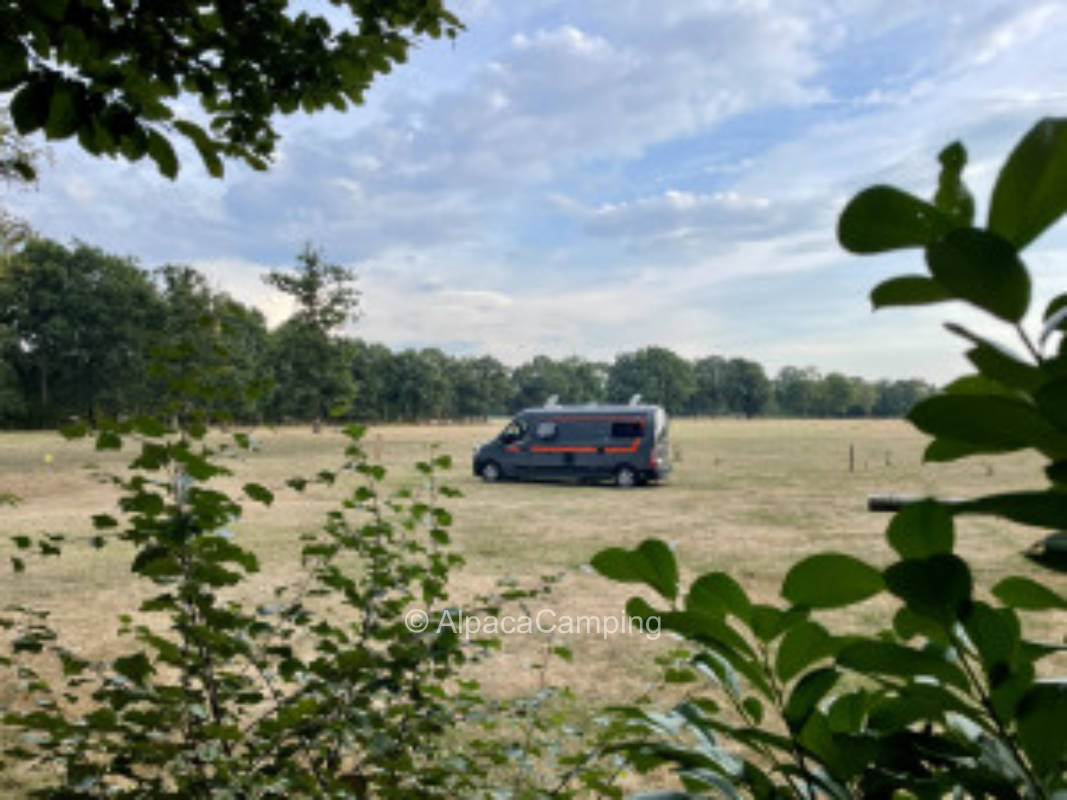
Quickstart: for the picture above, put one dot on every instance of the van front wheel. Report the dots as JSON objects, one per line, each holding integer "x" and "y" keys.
{"x": 625, "y": 477}
{"x": 490, "y": 472}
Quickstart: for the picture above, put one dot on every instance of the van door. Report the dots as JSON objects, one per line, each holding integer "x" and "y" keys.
{"x": 515, "y": 444}
{"x": 549, "y": 453}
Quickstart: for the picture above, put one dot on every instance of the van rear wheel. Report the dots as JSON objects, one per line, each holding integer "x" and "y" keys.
{"x": 625, "y": 477}
{"x": 491, "y": 472}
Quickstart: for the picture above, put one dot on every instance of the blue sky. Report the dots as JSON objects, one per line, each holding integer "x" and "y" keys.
{"x": 593, "y": 177}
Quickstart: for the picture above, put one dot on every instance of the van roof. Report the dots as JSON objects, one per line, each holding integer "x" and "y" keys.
{"x": 592, "y": 410}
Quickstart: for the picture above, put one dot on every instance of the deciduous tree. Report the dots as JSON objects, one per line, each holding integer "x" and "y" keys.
{"x": 127, "y": 78}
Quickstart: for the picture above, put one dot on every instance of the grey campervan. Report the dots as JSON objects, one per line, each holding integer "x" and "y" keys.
{"x": 628, "y": 444}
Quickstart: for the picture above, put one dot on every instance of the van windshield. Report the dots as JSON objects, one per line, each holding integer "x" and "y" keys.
{"x": 514, "y": 431}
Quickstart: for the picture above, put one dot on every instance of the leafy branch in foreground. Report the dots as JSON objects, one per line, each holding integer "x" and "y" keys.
{"x": 949, "y": 699}
{"x": 320, "y": 691}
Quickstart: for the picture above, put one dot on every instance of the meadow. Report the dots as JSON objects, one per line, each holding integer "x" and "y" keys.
{"x": 746, "y": 496}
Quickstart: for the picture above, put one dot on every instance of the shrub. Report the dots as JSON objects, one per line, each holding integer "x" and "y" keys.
{"x": 948, "y": 701}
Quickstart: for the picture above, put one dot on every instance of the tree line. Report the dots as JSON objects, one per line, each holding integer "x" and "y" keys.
{"x": 87, "y": 333}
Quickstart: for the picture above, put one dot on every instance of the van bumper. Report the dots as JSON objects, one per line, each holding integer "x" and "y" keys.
{"x": 658, "y": 472}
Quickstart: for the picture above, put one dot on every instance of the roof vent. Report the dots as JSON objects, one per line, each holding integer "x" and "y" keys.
{"x": 635, "y": 399}
{"x": 552, "y": 401}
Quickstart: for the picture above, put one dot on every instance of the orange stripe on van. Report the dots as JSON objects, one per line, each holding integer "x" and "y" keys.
{"x": 594, "y": 418}
{"x": 631, "y": 448}
{"x": 541, "y": 449}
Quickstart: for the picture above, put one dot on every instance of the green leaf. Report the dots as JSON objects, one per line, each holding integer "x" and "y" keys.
{"x": 830, "y": 580}
{"x": 12, "y": 64}
{"x": 921, "y": 529}
{"x": 1004, "y": 368}
{"x": 162, "y": 153}
{"x": 938, "y": 587}
{"x": 802, "y": 646}
{"x": 1041, "y": 730}
{"x": 1031, "y": 190}
{"x": 135, "y": 668}
{"x": 76, "y": 430}
{"x": 941, "y": 450}
{"x": 104, "y": 521}
{"x": 108, "y": 440}
{"x": 651, "y": 563}
{"x": 952, "y": 198}
{"x": 1057, "y": 473}
{"x": 994, "y": 424}
{"x": 1046, "y": 509}
{"x": 768, "y": 622}
{"x": 909, "y": 290}
{"x": 63, "y": 118}
{"x": 983, "y": 269}
{"x": 29, "y": 107}
{"x": 883, "y": 218}
{"x": 996, "y": 635}
{"x": 149, "y": 426}
{"x": 806, "y": 695}
{"x": 1051, "y": 400}
{"x": 1028, "y": 595}
{"x": 873, "y": 657}
{"x": 1050, "y": 552}
{"x": 717, "y": 594}
{"x": 259, "y": 493}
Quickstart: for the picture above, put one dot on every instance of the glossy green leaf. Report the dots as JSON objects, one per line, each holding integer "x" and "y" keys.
{"x": 1041, "y": 509}
{"x": 1031, "y": 189}
{"x": 1028, "y": 595}
{"x": 983, "y": 269}
{"x": 1004, "y": 368}
{"x": 884, "y": 218}
{"x": 996, "y": 635}
{"x": 909, "y": 290}
{"x": 872, "y": 657}
{"x": 717, "y": 594}
{"x": 938, "y": 587}
{"x": 651, "y": 563}
{"x": 806, "y": 695}
{"x": 802, "y": 646}
{"x": 921, "y": 529}
{"x": 830, "y": 580}
{"x": 768, "y": 622}
{"x": 991, "y": 423}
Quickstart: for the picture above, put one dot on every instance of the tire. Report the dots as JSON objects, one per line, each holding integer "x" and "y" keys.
{"x": 625, "y": 477}
{"x": 491, "y": 472}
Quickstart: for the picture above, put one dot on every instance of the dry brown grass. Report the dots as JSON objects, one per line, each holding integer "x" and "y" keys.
{"x": 748, "y": 497}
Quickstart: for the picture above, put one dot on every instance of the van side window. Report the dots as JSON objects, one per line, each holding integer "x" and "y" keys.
{"x": 546, "y": 430}
{"x": 626, "y": 430}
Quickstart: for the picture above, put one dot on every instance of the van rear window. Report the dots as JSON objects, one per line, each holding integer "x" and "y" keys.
{"x": 626, "y": 430}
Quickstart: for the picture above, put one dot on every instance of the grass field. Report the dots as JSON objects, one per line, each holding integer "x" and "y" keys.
{"x": 748, "y": 497}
